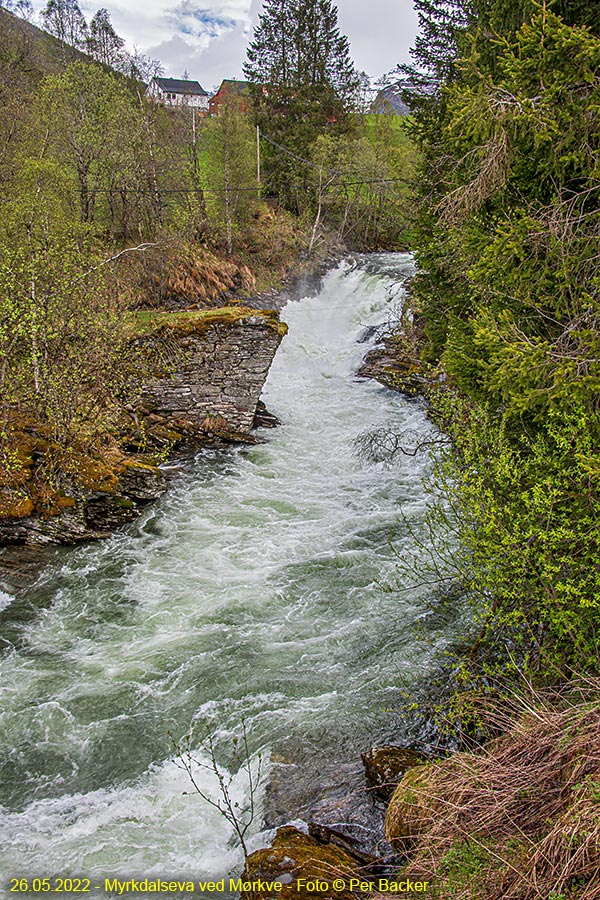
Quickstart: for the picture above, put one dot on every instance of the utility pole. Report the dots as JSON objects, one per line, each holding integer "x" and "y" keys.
{"x": 258, "y": 158}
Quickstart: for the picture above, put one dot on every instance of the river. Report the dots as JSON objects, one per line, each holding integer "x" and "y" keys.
{"x": 252, "y": 592}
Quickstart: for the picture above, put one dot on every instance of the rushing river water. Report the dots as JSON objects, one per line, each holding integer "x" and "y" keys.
{"x": 252, "y": 592}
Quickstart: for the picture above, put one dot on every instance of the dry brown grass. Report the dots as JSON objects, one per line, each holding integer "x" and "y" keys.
{"x": 518, "y": 819}
{"x": 181, "y": 274}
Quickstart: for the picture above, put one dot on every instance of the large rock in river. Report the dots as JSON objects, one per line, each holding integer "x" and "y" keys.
{"x": 385, "y": 766}
{"x": 296, "y": 861}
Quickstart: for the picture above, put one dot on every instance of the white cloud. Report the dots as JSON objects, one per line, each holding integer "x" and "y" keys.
{"x": 209, "y": 50}
{"x": 199, "y": 21}
{"x": 209, "y": 37}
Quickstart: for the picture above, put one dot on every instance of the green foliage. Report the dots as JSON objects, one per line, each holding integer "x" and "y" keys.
{"x": 507, "y": 244}
{"x": 230, "y": 169}
{"x": 525, "y": 512}
{"x": 302, "y": 81}
{"x": 62, "y": 346}
{"x": 65, "y": 359}
{"x": 363, "y": 183}
{"x": 88, "y": 118}
{"x": 463, "y": 865}
{"x": 324, "y": 161}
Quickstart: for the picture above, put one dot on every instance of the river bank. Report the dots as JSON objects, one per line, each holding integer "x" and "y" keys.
{"x": 203, "y": 368}
{"x": 218, "y": 360}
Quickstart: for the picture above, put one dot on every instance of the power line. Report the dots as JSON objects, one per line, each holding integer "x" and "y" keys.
{"x": 223, "y": 192}
{"x": 314, "y": 165}
{"x": 154, "y": 191}
{"x": 227, "y": 193}
{"x": 299, "y": 158}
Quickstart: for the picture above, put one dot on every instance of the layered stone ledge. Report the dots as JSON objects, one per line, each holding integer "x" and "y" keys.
{"x": 208, "y": 370}
{"x": 220, "y": 359}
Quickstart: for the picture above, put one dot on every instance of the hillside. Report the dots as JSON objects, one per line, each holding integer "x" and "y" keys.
{"x": 27, "y": 53}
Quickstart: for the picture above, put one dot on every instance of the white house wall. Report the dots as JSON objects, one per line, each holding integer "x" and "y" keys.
{"x": 195, "y": 100}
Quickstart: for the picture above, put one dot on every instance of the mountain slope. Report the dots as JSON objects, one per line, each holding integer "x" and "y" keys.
{"x": 27, "y": 53}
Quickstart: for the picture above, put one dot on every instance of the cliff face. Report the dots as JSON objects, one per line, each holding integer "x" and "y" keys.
{"x": 209, "y": 370}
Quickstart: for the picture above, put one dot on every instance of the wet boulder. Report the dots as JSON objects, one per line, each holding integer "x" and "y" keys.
{"x": 410, "y": 812}
{"x": 296, "y": 862}
{"x": 263, "y": 418}
{"x": 386, "y": 765}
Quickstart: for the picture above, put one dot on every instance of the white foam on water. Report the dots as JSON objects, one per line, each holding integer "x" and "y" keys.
{"x": 5, "y": 600}
{"x": 251, "y": 592}
{"x": 158, "y": 826}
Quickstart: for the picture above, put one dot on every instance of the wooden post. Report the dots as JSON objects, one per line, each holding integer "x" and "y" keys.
{"x": 258, "y": 158}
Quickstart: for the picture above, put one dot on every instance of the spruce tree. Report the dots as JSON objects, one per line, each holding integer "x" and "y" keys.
{"x": 302, "y": 81}
{"x": 270, "y": 53}
{"x": 435, "y": 50}
{"x": 507, "y": 247}
{"x": 298, "y": 44}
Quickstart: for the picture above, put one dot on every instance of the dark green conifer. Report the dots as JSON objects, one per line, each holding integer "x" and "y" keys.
{"x": 302, "y": 80}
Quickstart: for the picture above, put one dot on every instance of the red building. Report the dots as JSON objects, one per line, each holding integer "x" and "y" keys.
{"x": 235, "y": 92}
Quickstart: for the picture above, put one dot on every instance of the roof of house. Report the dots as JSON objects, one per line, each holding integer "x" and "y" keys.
{"x": 232, "y": 84}
{"x": 181, "y": 86}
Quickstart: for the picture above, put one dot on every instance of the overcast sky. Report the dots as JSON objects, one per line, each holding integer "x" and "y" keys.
{"x": 209, "y": 37}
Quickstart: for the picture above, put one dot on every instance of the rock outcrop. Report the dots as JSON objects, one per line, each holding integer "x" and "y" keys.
{"x": 385, "y": 766}
{"x": 83, "y": 513}
{"x": 208, "y": 370}
{"x": 220, "y": 359}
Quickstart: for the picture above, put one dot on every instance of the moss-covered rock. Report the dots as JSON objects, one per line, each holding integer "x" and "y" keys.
{"x": 295, "y": 860}
{"x": 15, "y": 504}
{"x": 198, "y": 321}
{"x": 211, "y": 365}
{"x": 409, "y": 812}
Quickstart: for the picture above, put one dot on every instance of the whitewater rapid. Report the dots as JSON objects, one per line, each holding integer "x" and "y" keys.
{"x": 253, "y": 591}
